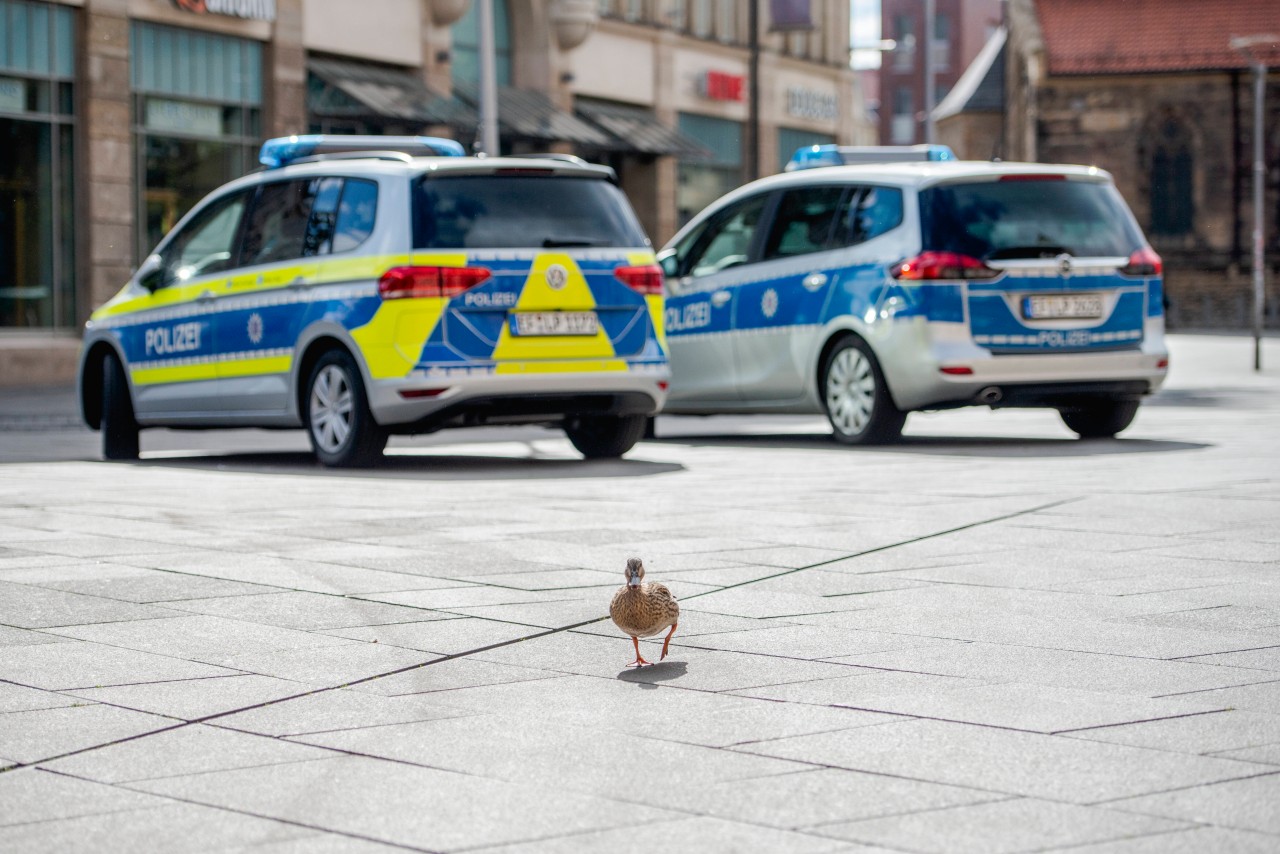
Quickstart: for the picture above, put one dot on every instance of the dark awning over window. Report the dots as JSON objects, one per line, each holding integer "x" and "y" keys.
{"x": 362, "y": 89}
{"x": 635, "y": 129}
{"x": 532, "y": 116}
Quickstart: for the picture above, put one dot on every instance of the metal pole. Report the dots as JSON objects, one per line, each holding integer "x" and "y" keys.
{"x": 753, "y": 91}
{"x": 488, "y": 80}
{"x": 930, "y": 90}
{"x": 1259, "y": 174}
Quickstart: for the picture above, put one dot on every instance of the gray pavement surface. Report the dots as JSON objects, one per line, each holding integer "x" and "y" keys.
{"x": 991, "y": 637}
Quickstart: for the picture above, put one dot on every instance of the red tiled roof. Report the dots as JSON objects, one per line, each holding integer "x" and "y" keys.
{"x": 1143, "y": 36}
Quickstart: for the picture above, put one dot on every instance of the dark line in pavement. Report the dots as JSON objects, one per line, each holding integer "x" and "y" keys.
{"x": 441, "y": 659}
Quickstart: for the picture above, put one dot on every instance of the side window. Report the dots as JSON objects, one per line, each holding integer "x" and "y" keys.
{"x": 207, "y": 243}
{"x": 356, "y": 213}
{"x": 324, "y": 216}
{"x": 278, "y": 222}
{"x": 870, "y": 212}
{"x": 726, "y": 239}
{"x": 804, "y": 222}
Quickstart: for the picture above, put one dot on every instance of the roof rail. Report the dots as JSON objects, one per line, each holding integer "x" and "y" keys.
{"x": 813, "y": 156}
{"x": 400, "y": 156}
{"x": 284, "y": 150}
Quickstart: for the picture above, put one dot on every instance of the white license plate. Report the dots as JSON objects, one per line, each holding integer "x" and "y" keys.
{"x": 555, "y": 323}
{"x": 1058, "y": 306}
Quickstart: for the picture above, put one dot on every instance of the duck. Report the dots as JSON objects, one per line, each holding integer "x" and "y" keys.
{"x": 642, "y": 610}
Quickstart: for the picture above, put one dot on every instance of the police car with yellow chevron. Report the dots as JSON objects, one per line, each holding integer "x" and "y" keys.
{"x": 366, "y": 286}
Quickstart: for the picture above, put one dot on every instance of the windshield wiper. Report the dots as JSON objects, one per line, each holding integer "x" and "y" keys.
{"x": 1006, "y": 253}
{"x": 570, "y": 242}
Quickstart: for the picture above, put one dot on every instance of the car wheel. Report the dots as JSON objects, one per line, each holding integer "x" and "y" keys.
{"x": 1100, "y": 420}
{"x": 856, "y": 398}
{"x": 605, "y": 436}
{"x": 339, "y": 423}
{"x": 118, "y": 425}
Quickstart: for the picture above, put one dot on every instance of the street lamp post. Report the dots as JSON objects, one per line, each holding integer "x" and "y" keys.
{"x": 1243, "y": 44}
{"x": 930, "y": 85}
{"x": 488, "y": 79}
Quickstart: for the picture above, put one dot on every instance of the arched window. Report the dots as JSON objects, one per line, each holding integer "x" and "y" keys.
{"x": 466, "y": 45}
{"x": 1172, "y": 205}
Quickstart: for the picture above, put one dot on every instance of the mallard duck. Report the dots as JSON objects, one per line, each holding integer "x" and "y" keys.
{"x": 642, "y": 610}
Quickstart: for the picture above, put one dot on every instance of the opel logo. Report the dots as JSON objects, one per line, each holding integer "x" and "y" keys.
{"x": 1064, "y": 265}
{"x": 557, "y": 277}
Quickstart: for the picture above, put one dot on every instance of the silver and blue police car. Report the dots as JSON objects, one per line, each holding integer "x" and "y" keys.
{"x": 361, "y": 287}
{"x": 866, "y": 292}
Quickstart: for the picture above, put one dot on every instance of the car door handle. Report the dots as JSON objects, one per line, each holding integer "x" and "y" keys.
{"x": 815, "y": 281}
{"x": 719, "y": 298}
{"x": 300, "y": 282}
{"x": 205, "y": 296}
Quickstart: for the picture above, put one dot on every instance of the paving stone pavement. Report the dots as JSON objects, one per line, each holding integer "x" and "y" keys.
{"x": 989, "y": 638}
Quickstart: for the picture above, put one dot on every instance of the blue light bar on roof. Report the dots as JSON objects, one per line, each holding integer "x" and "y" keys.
{"x": 813, "y": 156}
{"x": 284, "y": 150}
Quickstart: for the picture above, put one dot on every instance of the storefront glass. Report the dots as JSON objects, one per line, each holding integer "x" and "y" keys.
{"x": 37, "y": 242}
{"x": 466, "y": 45}
{"x": 197, "y": 116}
{"x": 701, "y": 182}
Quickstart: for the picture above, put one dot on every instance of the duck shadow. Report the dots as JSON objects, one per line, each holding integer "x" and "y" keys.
{"x": 648, "y": 677}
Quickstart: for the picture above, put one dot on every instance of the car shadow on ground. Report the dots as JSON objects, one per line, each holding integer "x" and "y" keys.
{"x": 412, "y": 466}
{"x": 952, "y": 446}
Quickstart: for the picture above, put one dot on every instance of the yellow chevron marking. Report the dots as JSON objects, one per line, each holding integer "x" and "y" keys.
{"x": 537, "y": 295}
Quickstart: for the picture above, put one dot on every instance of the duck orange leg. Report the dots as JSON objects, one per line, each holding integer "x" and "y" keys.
{"x": 667, "y": 640}
{"x": 639, "y": 662}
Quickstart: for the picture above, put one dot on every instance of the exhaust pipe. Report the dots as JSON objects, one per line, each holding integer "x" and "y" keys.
{"x": 990, "y": 395}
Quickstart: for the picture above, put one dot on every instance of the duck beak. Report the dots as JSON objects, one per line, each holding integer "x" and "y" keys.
{"x": 633, "y": 581}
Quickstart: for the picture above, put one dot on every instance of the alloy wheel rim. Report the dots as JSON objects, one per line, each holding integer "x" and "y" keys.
{"x": 332, "y": 409}
{"x": 851, "y": 391}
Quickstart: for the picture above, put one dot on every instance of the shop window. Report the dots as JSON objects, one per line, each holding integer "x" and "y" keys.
{"x": 702, "y": 18}
{"x": 703, "y": 181}
{"x": 466, "y": 45}
{"x": 791, "y": 140}
{"x": 37, "y": 124}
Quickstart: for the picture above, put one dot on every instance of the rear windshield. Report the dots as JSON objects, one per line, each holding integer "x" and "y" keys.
{"x": 995, "y": 220}
{"x": 522, "y": 211}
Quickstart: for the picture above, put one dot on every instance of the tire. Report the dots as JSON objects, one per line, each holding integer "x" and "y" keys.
{"x": 1100, "y": 420}
{"x": 605, "y": 436}
{"x": 856, "y": 398}
{"x": 339, "y": 424}
{"x": 118, "y": 425}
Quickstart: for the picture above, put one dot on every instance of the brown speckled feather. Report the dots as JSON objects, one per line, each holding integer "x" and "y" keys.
{"x": 645, "y": 610}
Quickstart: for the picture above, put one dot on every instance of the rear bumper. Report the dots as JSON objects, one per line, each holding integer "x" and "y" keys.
{"x": 423, "y": 405}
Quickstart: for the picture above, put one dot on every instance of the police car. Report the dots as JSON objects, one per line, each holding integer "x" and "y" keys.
{"x": 361, "y": 287}
{"x": 866, "y": 292}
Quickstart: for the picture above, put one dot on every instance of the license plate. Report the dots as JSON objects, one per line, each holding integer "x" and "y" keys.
{"x": 555, "y": 323}
{"x": 1058, "y": 306}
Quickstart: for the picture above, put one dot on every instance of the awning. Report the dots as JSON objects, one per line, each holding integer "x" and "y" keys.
{"x": 532, "y": 116}
{"x": 635, "y": 129}
{"x": 361, "y": 89}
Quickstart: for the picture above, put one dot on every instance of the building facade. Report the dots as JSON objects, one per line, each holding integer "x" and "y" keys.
{"x": 116, "y": 116}
{"x": 960, "y": 29}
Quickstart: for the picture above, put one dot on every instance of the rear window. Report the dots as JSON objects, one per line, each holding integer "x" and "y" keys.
{"x": 520, "y": 211}
{"x": 1043, "y": 218}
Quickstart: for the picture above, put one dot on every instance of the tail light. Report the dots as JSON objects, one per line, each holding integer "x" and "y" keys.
{"x": 420, "y": 282}
{"x": 943, "y": 265}
{"x": 1144, "y": 262}
{"x": 645, "y": 280}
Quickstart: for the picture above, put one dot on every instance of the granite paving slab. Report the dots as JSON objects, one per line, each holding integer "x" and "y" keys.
{"x": 30, "y": 607}
{"x": 855, "y": 691}
{"x": 212, "y": 640}
{"x": 1264, "y": 658}
{"x": 286, "y": 573}
{"x": 331, "y": 665}
{"x": 194, "y": 749}
{"x": 1018, "y": 763}
{"x": 35, "y": 795}
{"x": 439, "y": 637}
{"x": 17, "y": 698}
{"x": 1257, "y": 697}
{"x": 450, "y": 675}
{"x": 1035, "y": 708}
{"x": 808, "y": 642}
{"x": 1002, "y": 827}
{"x": 1246, "y": 804}
{"x": 79, "y": 664}
{"x": 1062, "y": 668}
{"x": 1195, "y": 841}
{"x": 192, "y": 699}
{"x": 414, "y": 806}
{"x": 1232, "y": 729}
{"x": 1268, "y": 754}
{"x": 300, "y": 610}
{"x": 169, "y": 829}
{"x": 338, "y": 710}
{"x": 704, "y": 834}
{"x": 154, "y": 586}
{"x": 11, "y": 636}
{"x": 44, "y": 733}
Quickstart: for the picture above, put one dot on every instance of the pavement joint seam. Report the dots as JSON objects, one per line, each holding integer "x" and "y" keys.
{"x": 557, "y": 630}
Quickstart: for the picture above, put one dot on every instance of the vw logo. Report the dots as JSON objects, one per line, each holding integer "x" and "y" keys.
{"x": 1064, "y": 265}
{"x": 557, "y": 277}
